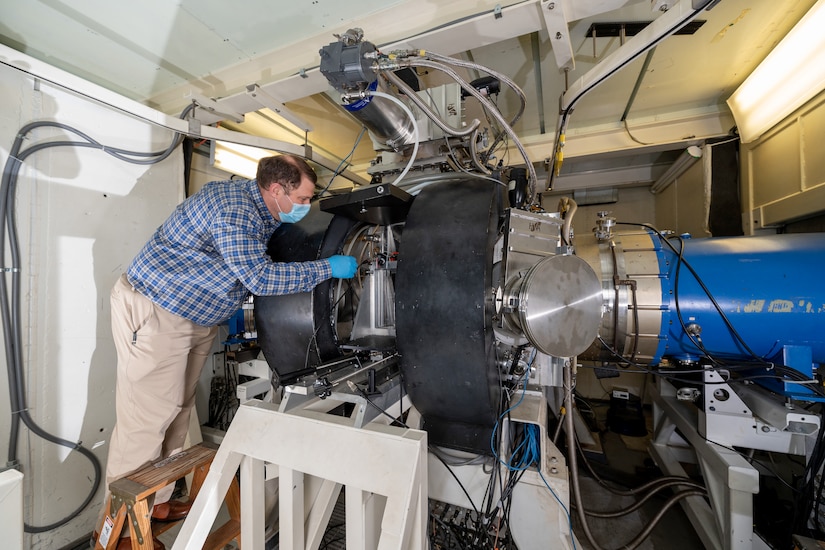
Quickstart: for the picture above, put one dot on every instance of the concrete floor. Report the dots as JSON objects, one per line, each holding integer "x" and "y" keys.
{"x": 625, "y": 464}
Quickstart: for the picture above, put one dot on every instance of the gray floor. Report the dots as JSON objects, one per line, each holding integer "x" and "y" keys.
{"x": 625, "y": 464}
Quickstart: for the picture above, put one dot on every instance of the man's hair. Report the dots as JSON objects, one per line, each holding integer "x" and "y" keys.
{"x": 288, "y": 170}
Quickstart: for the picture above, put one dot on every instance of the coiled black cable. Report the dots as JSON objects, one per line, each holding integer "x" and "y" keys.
{"x": 10, "y": 298}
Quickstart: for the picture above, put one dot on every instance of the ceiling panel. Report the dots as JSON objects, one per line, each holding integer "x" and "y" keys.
{"x": 160, "y": 51}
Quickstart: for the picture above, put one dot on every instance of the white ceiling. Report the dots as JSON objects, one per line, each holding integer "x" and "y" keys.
{"x": 161, "y": 52}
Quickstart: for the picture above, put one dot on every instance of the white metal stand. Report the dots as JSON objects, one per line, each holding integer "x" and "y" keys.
{"x": 726, "y": 522}
{"x": 384, "y": 469}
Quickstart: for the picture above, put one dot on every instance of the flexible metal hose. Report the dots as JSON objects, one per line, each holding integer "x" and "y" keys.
{"x": 503, "y": 78}
{"x": 416, "y": 99}
{"x": 494, "y": 112}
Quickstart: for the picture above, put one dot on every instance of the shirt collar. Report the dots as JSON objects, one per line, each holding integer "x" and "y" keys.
{"x": 258, "y": 199}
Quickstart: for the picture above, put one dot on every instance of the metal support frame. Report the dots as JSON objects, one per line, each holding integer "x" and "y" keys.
{"x": 726, "y": 522}
{"x": 747, "y": 417}
{"x": 540, "y": 503}
{"x": 384, "y": 469}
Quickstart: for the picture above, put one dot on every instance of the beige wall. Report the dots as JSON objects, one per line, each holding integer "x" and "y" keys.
{"x": 783, "y": 172}
{"x": 683, "y": 206}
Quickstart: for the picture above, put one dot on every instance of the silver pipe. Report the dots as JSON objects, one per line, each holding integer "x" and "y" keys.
{"x": 572, "y": 459}
{"x": 568, "y": 219}
{"x": 474, "y": 155}
{"x": 416, "y": 99}
{"x": 639, "y": 503}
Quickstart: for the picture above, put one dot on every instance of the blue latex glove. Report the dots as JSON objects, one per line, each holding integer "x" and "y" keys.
{"x": 343, "y": 267}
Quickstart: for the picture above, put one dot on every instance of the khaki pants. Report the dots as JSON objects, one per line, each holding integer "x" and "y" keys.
{"x": 159, "y": 361}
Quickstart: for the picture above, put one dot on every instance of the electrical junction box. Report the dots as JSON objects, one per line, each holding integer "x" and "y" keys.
{"x": 625, "y": 414}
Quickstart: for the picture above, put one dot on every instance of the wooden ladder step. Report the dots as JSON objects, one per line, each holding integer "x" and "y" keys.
{"x": 153, "y": 477}
{"x": 131, "y": 493}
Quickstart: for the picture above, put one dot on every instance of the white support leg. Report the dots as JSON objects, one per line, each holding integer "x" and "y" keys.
{"x": 291, "y": 507}
{"x": 727, "y": 522}
{"x": 382, "y": 460}
{"x": 318, "y": 518}
{"x": 253, "y": 520}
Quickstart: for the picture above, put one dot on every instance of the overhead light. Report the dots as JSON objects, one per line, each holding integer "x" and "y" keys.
{"x": 688, "y": 157}
{"x": 787, "y": 78}
{"x": 240, "y": 160}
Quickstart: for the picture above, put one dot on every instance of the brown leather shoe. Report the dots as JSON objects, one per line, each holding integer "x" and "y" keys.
{"x": 173, "y": 510}
{"x": 125, "y": 543}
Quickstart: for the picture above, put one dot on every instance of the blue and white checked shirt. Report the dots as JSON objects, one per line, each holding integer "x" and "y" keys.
{"x": 210, "y": 254}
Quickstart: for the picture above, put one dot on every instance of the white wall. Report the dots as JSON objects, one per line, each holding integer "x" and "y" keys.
{"x": 81, "y": 217}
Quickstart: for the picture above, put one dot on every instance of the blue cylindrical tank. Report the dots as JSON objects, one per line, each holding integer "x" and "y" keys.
{"x": 770, "y": 288}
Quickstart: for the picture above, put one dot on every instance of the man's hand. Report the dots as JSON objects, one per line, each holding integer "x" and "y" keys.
{"x": 343, "y": 267}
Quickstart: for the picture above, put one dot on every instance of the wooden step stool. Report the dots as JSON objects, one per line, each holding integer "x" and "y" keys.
{"x": 129, "y": 499}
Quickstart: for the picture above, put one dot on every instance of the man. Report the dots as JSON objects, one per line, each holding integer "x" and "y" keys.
{"x": 193, "y": 274}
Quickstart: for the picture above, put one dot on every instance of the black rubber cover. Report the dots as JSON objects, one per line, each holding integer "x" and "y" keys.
{"x": 444, "y": 309}
{"x": 286, "y": 324}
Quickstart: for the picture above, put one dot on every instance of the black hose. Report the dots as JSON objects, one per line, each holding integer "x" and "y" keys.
{"x": 10, "y": 307}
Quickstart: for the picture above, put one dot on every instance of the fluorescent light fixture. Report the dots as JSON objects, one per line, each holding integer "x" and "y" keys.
{"x": 787, "y": 78}
{"x": 241, "y": 160}
{"x": 688, "y": 157}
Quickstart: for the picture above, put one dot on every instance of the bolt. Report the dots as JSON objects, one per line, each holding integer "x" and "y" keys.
{"x": 712, "y": 408}
{"x": 551, "y": 6}
{"x": 765, "y": 429}
{"x": 554, "y": 470}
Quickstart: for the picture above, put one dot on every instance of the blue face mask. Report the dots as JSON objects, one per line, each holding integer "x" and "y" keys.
{"x": 296, "y": 214}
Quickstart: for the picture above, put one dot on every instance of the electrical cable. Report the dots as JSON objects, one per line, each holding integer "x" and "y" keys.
{"x": 415, "y": 131}
{"x": 639, "y": 503}
{"x": 574, "y": 478}
{"x": 682, "y": 261}
{"x": 343, "y": 161}
{"x": 653, "y": 484}
{"x": 567, "y": 111}
{"x": 431, "y": 449}
{"x": 10, "y": 306}
{"x": 669, "y": 374}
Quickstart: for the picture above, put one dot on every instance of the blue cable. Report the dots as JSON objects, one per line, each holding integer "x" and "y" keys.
{"x": 502, "y": 415}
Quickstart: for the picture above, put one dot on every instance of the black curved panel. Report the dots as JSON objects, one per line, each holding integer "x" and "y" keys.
{"x": 444, "y": 308}
{"x": 296, "y": 331}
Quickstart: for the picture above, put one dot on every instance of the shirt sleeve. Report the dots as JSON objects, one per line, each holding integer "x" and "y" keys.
{"x": 244, "y": 251}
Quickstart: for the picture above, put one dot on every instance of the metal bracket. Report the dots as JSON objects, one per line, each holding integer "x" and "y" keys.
{"x": 559, "y": 32}
{"x": 134, "y": 524}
